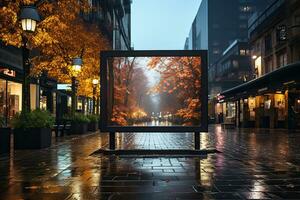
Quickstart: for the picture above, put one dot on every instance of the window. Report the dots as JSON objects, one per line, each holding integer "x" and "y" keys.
{"x": 282, "y": 60}
{"x": 3, "y": 97}
{"x": 14, "y": 95}
{"x": 269, "y": 65}
{"x": 268, "y": 43}
{"x": 245, "y": 8}
{"x": 216, "y": 51}
{"x": 242, "y": 52}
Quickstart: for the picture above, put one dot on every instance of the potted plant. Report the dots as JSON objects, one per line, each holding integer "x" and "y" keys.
{"x": 4, "y": 136}
{"x": 32, "y": 130}
{"x": 93, "y": 124}
{"x": 79, "y": 123}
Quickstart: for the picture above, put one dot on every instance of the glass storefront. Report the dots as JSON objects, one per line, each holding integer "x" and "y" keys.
{"x": 3, "y": 98}
{"x": 10, "y": 98}
{"x": 14, "y": 95}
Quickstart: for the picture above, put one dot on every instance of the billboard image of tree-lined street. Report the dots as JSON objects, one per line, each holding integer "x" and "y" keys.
{"x": 155, "y": 91}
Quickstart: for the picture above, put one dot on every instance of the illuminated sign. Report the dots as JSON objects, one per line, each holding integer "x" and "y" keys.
{"x": 8, "y": 72}
{"x": 64, "y": 86}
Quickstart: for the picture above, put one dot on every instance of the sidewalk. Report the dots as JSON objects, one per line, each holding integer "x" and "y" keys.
{"x": 255, "y": 164}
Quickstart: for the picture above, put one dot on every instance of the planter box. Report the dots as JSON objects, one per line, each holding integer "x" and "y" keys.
{"x": 33, "y": 138}
{"x": 5, "y": 140}
{"x": 93, "y": 126}
{"x": 79, "y": 128}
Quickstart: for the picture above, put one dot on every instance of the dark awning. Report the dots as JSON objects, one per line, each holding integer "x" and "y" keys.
{"x": 278, "y": 79}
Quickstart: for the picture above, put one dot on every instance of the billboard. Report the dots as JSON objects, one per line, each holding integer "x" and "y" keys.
{"x": 157, "y": 91}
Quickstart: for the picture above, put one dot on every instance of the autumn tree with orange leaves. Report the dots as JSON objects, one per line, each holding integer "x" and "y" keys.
{"x": 60, "y": 36}
{"x": 180, "y": 76}
{"x": 129, "y": 86}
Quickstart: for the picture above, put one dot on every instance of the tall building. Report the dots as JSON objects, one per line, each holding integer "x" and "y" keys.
{"x": 114, "y": 19}
{"x": 219, "y": 23}
{"x": 272, "y": 99}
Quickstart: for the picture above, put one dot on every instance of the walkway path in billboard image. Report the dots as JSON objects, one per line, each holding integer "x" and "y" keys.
{"x": 253, "y": 165}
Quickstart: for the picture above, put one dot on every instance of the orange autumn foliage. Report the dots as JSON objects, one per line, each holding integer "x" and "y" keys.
{"x": 180, "y": 76}
{"x": 60, "y": 36}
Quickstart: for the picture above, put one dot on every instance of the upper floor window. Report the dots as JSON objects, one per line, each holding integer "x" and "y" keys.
{"x": 242, "y": 52}
{"x": 282, "y": 60}
{"x": 245, "y": 8}
{"x": 268, "y": 42}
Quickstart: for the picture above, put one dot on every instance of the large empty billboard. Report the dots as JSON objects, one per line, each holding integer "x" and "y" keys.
{"x": 146, "y": 89}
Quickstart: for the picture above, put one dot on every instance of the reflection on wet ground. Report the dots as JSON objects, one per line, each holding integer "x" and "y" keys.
{"x": 255, "y": 164}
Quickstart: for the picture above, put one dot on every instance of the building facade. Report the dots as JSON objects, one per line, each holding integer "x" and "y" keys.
{"x": 272, "y": 100}
{"x": 114, "y": 20}
{"x": 219, "y": 23}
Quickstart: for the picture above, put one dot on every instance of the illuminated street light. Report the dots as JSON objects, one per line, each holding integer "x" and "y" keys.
{"x": 76, "y": 68}
{"x": 29, "y": 17}
{"x": 76, "y": 65}
{"x": 95, "y": 81}
{"x": 95, "y": 84}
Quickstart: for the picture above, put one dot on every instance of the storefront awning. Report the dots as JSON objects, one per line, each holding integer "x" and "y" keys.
{"x": 284, "y": 77}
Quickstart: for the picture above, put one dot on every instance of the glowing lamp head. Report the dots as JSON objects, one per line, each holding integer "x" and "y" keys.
{"x": 29, "y": 17}
{"x": 76, "y": 65}
{"x": 95, "y": 81}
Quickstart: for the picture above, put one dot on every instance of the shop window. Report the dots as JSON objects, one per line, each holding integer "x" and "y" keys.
{"x": 280, "y": 105}
{"x": 258, "y": 67}
{"x": 14, "y": 95}
{"x": 33, "y": 96}
{"x": 230, "y": 114}
{"x": 43, "y": 100}
{"x": 3, "y": 97}
{"x": 54, "y": 103}
{"x": 252, "y": 105}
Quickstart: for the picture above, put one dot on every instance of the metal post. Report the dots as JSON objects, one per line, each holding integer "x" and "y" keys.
{"x": 74, "y": 100}
{"x": 112, "y": 137}
{"x": 26, "y": 76}
{"x": 197, "y": 140}
{"x": 94, "y": 99}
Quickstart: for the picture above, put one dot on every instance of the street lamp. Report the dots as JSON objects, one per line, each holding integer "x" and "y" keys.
{"x": 76, "y": 68}
{"x": 29, "y": 17}
{"x": 95, "y": 83}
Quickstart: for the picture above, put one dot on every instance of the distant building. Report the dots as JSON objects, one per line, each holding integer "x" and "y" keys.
{"x": 186, "y": 44}
{"x": 114, "y": 19}
{"x": 219, "y": 23}
{"x": 272, "y": 100}
{"x": 233, "y": 67}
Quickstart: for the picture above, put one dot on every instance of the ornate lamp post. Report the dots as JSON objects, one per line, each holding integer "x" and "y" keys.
{"x": 29, "y": 17}
{"x": 76, "y": 68}
{"x": 95, "y": 84}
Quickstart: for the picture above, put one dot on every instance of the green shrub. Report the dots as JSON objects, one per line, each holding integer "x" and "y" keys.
{"x": 34, "y": 119}
{"x": 77, "y": 118}
{"x": 2, "y": 121}
{"x": 93, "y": 118}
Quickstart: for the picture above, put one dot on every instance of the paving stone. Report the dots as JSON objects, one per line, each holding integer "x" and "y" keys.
{"x": 254, "y": 164}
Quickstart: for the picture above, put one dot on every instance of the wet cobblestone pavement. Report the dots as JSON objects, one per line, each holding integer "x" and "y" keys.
{"x": 254, "y": 164}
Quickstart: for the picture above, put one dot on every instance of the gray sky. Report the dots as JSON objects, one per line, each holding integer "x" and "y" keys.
{"x": 162, "y": 24}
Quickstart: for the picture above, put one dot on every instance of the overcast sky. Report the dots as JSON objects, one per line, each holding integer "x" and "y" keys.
{"x": 162, "y": 24}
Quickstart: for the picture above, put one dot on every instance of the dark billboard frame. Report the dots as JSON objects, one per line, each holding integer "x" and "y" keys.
{"x": 104, "y": 57}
